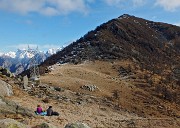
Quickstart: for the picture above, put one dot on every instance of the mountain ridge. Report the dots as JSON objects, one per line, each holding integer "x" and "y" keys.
{"x": 153, "y": 47}
{"x": 114, "y": 39}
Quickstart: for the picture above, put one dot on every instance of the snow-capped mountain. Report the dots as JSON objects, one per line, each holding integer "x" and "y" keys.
{"x": 19, "y": 61}
{"x": 10, "y": 54}
{"x": 53, "y": 51}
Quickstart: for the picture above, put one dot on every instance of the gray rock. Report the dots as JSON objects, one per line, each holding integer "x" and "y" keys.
{"x": 59, "y": 89}
{"x": 5, "y": 89}
{"x": 2, "y": 102}
{"x": 89, "y": 87}
{"x": 46, "y": 125}
{"x": 10, "y": 107}
{"x": 77, "y": 125}
{"x": 25, "y": 82}
{"x": 10, "y": 123}
{"x": 6, "y": 72}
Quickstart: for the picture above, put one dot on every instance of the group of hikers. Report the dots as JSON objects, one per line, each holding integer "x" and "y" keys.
{"x": 48, "y": 112}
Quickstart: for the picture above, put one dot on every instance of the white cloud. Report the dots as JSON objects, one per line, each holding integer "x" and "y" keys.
{"x": 91, "y": 1}
{"x": 113, "y": 2}
{"x": 177, "y": 24}
{"x": 48, "y": 46}
{"x": 43, "y": 47}
{"x": 169, "y": 5}
{"x": 120, "y": 2}
{"x": 138, "y": 2}
{"x": 23, "y": 46}
{"x": 1, "y": 53}
{"x": 45, "y": 7}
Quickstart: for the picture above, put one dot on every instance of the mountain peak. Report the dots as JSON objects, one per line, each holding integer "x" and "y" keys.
{"x": 131, "y": 38}
{"x": 125, "y": 16}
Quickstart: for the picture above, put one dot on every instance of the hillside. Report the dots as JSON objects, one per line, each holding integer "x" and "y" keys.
{"x": 127, "y": 89}
{"x": 115, "y": 101}
{"x": 149, "y": 44}
{"x": 153, "y": 47}
{"x": 128, "y": 65}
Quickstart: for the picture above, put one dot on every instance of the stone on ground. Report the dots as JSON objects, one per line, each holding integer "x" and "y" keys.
{"x": 76, "y": 125}
{"x": 10, "y": 123}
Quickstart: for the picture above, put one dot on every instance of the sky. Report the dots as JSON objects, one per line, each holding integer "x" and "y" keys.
{"x": 55, "y": 23}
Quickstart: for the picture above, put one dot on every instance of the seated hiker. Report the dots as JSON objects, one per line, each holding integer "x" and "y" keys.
{"x": 39, "y": 111}
{"x": 50, "y": 112}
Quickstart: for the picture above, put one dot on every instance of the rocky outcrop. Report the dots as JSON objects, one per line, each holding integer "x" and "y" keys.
{"x": 10, "y": 107}
{"x": 10, "y": 123}
{"x": 6, "y": 72}
{"x": 5, "y": 89}
{"x": 76, "y": 125}
{"x": 89, "y": 87}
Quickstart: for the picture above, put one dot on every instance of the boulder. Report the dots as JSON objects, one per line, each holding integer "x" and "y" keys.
{"x": 5, "y": 89}
{"x": 59, "y": 89}
{"x": 10, "y": 123}
{"x": 25, "y": 82}
{"x": 77, "y": 125}
{"x": 2, "y": 102}
{"x": 10, "y": 107}
{"x": 89, "y": 87}
{"x": 6, "y": 72}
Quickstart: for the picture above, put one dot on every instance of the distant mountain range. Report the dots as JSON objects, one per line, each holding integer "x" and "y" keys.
{"x": 19, "y": 61}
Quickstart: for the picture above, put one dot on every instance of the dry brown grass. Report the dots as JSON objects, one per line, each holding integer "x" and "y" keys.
{"x": 127, "y": 101}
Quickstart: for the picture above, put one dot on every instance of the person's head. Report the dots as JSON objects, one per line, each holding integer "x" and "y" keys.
{"x": 50, "y": 106}
{"x": 38, "y": 105}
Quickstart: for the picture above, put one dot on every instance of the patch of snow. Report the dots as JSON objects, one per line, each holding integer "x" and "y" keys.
{"x": 53, "y": 51}
{"x": 28, "y": 54}
{"x": 10, "y": 54}
{"x": 24, "y": 54}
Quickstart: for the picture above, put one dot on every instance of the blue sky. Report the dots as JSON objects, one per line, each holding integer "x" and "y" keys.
{"x": 53, "y": 23}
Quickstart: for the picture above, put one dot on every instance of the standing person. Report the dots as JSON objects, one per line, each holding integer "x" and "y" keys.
{"x": 50, "y": 112}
